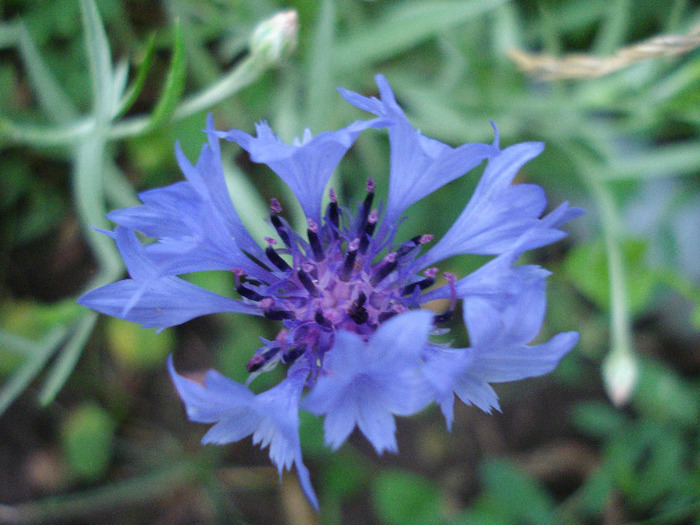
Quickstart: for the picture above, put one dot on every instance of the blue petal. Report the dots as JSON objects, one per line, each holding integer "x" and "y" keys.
{"x": 365, "y": 384}
{"x": 419, "y": 165}
{"x": 150, "y": 299}
{"x": 503, "y": 309}
{"x": 195, "y": 221}
{"x": 164, "y": 302}
{"x": 271, "y": 417}
{"x": 507, "y": 308}
{"x": 498, "y": 213}
{"x": 476, "y": 391}
{"x": 305, "y": 166}
{"x": 498, "y": 363}
{"x": 442, "y": 368}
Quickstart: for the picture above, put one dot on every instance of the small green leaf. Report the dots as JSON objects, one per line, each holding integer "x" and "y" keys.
{"x": 404, "y": 497}
{"x": 174, "y": 83}
{"x": 87, "y": 438}
{"x": 134, "y": 90}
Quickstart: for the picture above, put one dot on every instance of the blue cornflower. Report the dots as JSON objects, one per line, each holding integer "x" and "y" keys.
{"x": 347, "y": 294}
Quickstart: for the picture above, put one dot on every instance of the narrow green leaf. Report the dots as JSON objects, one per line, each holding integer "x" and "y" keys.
{"x": 121, "y": 77}
{"x": 174, "y": 83}
{"x": 134, "y": 90}
{"x": 67, "y": 359}
{"x": 34, "y": 363}
{"x": 402, "y": 28}
{"x": 99, "y": 61}
{"x": 9, "y": 34}
{"x": 52, "y": 98}
{"x": 612, "y": 33}
{"x": 660, "y": 162}
{"x": 15, "y": 343}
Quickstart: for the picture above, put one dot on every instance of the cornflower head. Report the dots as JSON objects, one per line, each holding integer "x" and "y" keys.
{"x": 347, "y": 294}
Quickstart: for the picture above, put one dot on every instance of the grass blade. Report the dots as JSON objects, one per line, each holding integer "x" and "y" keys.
{"x": 99, "y": 61}
{"x": 53, "y": 100}
{"x": 174, "y": 83}
{"x": 134, "y": 90}
{"x": 403, "y": 28}
{"x": 67, "y": 359}
{"x": 19, "y": 381}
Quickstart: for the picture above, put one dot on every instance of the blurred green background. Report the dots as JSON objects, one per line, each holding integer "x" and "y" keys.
{"x": 93, "y": 95}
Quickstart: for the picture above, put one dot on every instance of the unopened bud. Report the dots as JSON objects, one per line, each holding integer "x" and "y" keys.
{"x": 620, "y": 376}
{"x": 275, "y": 38}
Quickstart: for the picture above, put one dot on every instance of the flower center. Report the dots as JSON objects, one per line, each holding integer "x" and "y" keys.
{"x": 335, "y": 279}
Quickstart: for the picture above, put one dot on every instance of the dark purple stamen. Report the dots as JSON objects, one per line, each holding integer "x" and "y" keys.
{"x": 258, "y": 360}
{"x": 357, "y": 311}
{"x": 442, "y": 318}
{"x": 369, "y": 230}
{"x": 408, "y": 246}
{"x": 277, "y": 314}
{"x": 281, "y": 230}
{"x": 389, "y": 264}
{"x": 321, "y": 320}
{"x": 418, "y": 285}
{"x": 308, "y": 283}
{"x": 249, "y": 293}
{"x": 280, "y": 227}
{"x": 349, "y": 263}
{"x": 315, "y": 242}
{"x": 367, "y": 204}
{"x": 292, "y": 354}
{"x": 276, "y": 259}
{"x": 333, "y": 212}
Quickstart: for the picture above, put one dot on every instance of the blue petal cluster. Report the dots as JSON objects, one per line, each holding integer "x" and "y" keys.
{"x": 347, "y": 294}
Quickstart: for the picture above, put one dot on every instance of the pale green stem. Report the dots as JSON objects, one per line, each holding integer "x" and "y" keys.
{"x": 620, "y": 367}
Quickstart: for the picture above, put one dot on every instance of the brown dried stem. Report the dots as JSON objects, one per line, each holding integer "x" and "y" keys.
{"x": 547, "y": 67}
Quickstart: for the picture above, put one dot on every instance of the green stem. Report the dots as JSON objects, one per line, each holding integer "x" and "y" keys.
{"x": 619, "y": 368}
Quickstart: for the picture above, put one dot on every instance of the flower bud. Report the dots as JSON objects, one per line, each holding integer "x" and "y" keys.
{"x": 275, "y": 38}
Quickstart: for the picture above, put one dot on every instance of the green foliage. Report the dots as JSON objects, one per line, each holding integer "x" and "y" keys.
{"x": 586, "y": 267}
{"x": 87, "y": 438}
{"x": 403, "y": 497}
{"x": 135, "y": 347}
{"x": 509, "y": 497}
